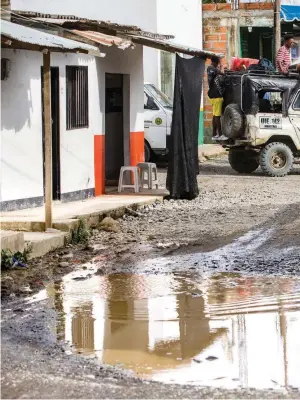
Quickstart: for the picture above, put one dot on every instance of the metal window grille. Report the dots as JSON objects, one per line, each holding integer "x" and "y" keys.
{"x": 77, "y": 97}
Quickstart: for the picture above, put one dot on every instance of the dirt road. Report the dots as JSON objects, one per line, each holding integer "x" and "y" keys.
{"x": 243, "y": 224}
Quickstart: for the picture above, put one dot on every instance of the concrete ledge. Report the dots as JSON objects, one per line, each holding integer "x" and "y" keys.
{"x": 41, "y": 243}
{"x": 13, "y": 241}
{"x": 206, "y": 151}
{"x": 92, "y": 211}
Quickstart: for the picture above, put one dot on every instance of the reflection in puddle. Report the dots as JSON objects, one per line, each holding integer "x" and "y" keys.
{"x": 218, "y": 330}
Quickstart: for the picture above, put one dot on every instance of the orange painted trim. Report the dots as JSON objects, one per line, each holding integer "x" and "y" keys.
{"x": 99, "y": 164}
{"x": 137, "y": 151}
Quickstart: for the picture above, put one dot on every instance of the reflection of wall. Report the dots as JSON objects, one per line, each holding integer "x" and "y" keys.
{"x": 83, "y": 328}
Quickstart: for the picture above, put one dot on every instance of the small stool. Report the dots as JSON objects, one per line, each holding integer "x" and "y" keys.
{"x": 136, "y": 179}
{"x": 150, "y": 169}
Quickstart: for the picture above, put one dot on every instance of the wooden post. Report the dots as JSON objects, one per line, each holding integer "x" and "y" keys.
{"x": 48, "y": 138}
{"x": 277, "y": 26}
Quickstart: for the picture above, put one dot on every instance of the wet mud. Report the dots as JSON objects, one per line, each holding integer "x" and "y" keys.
{"x": 187, "y": 300}
{"x": 221, "y": 330}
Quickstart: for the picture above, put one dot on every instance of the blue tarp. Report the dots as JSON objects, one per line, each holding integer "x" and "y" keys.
{"x": 290, "y": 13}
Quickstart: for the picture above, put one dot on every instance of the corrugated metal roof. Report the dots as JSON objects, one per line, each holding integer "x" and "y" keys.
{"x": 103, "y": 39}
{"x": 171, "y": 46}
{"x": 290, "y": 13}
{"x": 23, "y": 34}
{"x": 73, "y": 22}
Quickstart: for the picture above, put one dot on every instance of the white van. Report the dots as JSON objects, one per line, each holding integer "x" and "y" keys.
{"x": 158, "y": 110}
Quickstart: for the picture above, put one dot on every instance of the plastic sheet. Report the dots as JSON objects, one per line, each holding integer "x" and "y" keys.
{"x": 183, "y": 165}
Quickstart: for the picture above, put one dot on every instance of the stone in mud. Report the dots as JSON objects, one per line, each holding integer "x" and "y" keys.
{"x": 68, "y": 256}
{"x": 109, "y": 224}
{"x": 63, "y": 264}
{"x": 211, "y": 358}
{"x": 25, "y": 289}
{"x": 82, "y": 278}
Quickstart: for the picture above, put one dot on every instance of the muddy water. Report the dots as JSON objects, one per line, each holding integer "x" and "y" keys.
{"x": 217, "y": 330}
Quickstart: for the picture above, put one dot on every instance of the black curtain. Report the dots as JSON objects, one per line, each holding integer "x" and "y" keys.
{"x": 183, "y": 166}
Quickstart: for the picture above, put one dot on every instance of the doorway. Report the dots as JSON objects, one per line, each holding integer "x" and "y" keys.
{"x": 114, "y": 128}
{"x": 257, "y": 42}
{"x": 56, "y": 191}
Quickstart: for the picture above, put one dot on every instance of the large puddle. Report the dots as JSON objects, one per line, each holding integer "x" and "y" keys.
{"x": 217, "y": 330}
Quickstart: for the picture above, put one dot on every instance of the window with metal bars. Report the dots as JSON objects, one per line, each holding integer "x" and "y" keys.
{"x": 77, "y": 97}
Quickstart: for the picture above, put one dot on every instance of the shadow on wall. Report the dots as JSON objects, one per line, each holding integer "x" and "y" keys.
{"x": 19, "y": 90}
{"x": 21, "y": 126}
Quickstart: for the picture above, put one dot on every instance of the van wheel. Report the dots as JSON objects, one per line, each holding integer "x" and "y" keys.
{"x": 243, "y": 161}
{"x": 276, "y": 159}
{"x": 147, "y": 150}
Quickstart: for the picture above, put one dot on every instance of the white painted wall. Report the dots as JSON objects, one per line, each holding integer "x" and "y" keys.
{"x": 21, "y": 123}
{"x": 21, "y": 127}
{"x": 132, "y": 12}
{"x": 77, "y": 145}
{"x": 181, "y": 18}
{"x": 129, "y": 61}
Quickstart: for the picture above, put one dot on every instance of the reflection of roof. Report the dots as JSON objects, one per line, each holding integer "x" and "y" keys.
{"x": 12, "y": 34}
{"x": 182, "y": 343}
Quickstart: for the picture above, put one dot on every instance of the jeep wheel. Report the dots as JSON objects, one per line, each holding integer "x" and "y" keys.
{"x": 276, "y": 159}
{"x": 232, "y": 121}
{"x": 147, "y": 150}
{"x": 243, "y": 161}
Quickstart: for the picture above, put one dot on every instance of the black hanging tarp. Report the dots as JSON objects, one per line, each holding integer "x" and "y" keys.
{"x": 183, "y": 166}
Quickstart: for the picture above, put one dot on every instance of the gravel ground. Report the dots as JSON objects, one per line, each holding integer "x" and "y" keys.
{"x": 248, "y": 224}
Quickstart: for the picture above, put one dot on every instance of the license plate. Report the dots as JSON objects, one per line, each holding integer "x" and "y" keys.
{"x": 270, "y": 123}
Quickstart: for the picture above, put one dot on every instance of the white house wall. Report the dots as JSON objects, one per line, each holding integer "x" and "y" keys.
{"x": 21, "y": 128}
{"x": 181, "y": 18}
{"x": 131, "y": 12}
{"x": 21, "y": 131}
{"x": 77, "y": 145}
{"x": 128, "y": 62}
{"x": 81, "y": 150}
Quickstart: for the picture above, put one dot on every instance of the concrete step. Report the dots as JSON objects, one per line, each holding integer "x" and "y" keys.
{"x": 13, "y": 241}
{"x": 41, "y": 243}
{"x": 65, "y": 225}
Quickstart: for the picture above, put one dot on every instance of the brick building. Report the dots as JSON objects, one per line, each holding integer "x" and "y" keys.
{"x": 243, "y": 32}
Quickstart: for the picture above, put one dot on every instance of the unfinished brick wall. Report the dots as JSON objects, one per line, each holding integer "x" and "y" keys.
{"x": 215, "y": 37}
{"x": 220, "y": 35}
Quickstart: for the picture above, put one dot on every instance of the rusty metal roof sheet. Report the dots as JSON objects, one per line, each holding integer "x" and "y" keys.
{"x": 171, "y": 46}
{"x": 103, "y": 39}
{"x": 22, "y": 34}
{"x": 73, "y": 22}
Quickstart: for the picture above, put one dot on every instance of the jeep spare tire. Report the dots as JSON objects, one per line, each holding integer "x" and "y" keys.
{"x": 232, "y": 121}
{"x": 276, "y": 159}
{"x": 243, "y": 161}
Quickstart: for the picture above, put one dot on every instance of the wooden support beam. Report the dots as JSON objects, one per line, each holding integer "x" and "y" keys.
{"x": 277, "y": 26}
{"x": 48, "y": 138}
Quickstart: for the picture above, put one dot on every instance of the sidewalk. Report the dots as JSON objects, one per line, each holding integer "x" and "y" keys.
{"x": 66, "y": 216}
{"x": 209, "y": 150}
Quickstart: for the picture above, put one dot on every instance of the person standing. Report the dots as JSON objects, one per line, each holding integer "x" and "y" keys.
{"x": 283, "y": 58}
{"x": 215, "y": 94}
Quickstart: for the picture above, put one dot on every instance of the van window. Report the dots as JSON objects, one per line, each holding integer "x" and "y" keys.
{"x": 159, "y": 96}
{"x": 270, "y": 102}
{"x": 296, "y": 105}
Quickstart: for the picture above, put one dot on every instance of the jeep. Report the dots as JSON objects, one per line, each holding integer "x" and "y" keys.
{"x": 261, "y": 121}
